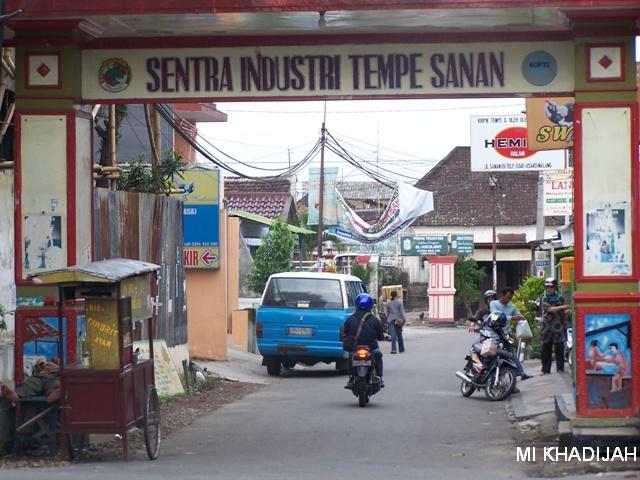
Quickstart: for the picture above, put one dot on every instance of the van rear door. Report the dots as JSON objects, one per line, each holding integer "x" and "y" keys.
{"x": 303, "y": 316}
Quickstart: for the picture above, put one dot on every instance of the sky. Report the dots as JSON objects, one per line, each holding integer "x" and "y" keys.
{"x": 404, "y": 136}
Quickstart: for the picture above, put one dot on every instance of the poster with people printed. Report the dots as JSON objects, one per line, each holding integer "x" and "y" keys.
{"x": 608, "y": 360}
{"x": 608, "y": 241}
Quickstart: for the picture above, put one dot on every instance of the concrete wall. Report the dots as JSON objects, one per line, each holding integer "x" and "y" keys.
{"x": 212, "y": 296}
{"x": 7, "y": 274}
{"x": 239, "y": 336}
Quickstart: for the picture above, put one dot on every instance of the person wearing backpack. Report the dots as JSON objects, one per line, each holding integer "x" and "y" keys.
{"x": 364, "y": 328}
{"x": 396, "y": 320}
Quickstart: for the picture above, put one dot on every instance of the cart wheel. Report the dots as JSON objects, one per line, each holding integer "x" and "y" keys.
{"x": 152, "y": 434}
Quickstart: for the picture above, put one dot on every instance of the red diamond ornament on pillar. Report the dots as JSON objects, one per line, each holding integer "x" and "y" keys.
{"x": 43, "y": 70}
{"x": 605, "y": 62}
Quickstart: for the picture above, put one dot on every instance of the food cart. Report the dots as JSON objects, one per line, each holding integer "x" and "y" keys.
{"x": 110, "y": 388}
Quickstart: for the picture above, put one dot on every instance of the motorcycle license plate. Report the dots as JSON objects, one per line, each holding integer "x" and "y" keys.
{"x": 362, "y": 363}
{"x": 301, "y": 331}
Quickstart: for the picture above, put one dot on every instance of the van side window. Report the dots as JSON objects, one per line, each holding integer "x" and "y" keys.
{"x": 353, "y": 290}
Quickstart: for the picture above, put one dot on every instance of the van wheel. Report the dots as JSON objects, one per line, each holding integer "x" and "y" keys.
{"x": 289, "y": 364}
{"x": 273, "y": 368}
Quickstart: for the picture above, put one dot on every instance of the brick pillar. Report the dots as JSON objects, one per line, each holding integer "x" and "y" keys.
{"x": 606, "y": 219}
{"x": 441, "y": 289}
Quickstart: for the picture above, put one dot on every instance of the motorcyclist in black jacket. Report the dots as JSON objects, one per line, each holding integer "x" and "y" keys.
{"x": 371, "y": 332}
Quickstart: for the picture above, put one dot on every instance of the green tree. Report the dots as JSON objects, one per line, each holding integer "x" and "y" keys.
{"x": 362, "y": 272}
{"x": 310, "y": 242}
{"x": 139, "y": 177}
{"x": 527, "y": 299}
{"x": 468, "y": 275}
{"x": 273, "y": 256}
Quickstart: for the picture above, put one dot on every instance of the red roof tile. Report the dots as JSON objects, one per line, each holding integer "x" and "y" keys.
{"x": 462, "y": 197}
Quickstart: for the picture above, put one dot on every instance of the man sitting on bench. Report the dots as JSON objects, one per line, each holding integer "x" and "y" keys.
{"x": 44, "y": 381}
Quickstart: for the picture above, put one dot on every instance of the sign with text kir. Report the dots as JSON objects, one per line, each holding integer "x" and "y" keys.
{"x": 201, "y": 219}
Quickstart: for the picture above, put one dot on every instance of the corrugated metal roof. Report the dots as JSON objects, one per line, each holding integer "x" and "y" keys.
{"x": 103, "y": 271}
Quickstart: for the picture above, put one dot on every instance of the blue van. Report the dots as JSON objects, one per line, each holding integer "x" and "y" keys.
{"x": 300, "y": 317}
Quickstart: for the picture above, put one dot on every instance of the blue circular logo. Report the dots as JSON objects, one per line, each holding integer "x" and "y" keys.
{"x": 539, "y": 68}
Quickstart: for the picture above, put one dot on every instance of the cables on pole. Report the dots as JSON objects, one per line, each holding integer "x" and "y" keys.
{"x": 175, "y": 122}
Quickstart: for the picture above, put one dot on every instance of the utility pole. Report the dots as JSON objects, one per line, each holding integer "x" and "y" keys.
{"x": 540, "y": 208}
{"x": 493, "y": 185}
{"x": 323, "y": 137}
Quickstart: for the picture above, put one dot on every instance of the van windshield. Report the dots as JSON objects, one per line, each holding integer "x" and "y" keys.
{"x": 304, "y": 293}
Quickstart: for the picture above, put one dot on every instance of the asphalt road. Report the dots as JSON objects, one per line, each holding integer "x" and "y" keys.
{"x": 306, "y": 426}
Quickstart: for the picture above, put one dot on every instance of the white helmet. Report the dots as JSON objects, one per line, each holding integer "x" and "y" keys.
{"x": 490, "y": 293}
{"x": 550, "y": 282}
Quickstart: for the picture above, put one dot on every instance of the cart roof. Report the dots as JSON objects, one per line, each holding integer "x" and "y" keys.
{"x": 104, "y": 271}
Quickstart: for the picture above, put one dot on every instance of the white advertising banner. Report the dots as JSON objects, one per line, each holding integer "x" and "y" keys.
{"x": 406, "y": 204}
{"x": 328, "y": 71}
{"x": 558, "y": 193}
{"x": 500, "y": 143}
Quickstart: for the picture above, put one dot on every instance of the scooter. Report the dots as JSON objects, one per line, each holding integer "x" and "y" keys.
{"x": 495, "y": 371}
{"x": 364, "y": 381}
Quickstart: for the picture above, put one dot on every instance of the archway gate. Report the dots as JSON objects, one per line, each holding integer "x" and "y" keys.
{"x": 71, "y": 55}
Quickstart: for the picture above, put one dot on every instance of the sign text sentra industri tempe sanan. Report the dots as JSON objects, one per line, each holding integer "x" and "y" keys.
{"x": 329, "y": 71}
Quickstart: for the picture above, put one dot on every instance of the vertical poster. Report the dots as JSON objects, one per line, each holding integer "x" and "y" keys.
{"x": 606, "y": 219}
{"x": 329, "y": 208}
{"x": 201, "y": 218}
{"x": 558, "y": 193}
{"x": 550, "y": 122}
{"x": 608, "y": 360}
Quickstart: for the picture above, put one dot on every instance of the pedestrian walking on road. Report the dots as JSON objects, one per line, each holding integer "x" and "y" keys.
{"x": 554, "y": 326}
{"x": 396, "y": 319}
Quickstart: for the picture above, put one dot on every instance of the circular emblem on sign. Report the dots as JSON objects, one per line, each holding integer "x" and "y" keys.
{"x": 539, "y": 68}
{"x": 114, "y": 75}
{"x": 512, "y": 143}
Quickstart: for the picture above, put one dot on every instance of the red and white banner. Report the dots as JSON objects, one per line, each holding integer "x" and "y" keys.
{"x": 500, "y": 143}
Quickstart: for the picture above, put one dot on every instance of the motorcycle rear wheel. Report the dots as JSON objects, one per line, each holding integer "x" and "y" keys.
{"x": 363, "y": 395}
{"x": 506, "y": 384}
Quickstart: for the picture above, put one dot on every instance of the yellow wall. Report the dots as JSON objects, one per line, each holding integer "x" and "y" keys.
{"x": 239, "y": 336}
{"x": 212, "y": 295}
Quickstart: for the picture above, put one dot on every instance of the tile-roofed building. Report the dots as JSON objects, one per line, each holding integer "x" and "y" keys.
{"x": 363, "y": 195}
{"x": 465, "y": 204}
{"x": 269, "y": 197}
{"x": 464, "y": 198}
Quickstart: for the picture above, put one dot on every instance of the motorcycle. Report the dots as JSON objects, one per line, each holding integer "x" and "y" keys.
{"x": 364, "y": 381}
{"x": 495, "y": 372}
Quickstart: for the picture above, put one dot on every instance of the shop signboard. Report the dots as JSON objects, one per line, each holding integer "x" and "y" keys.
{"x": 201, "y": 219}
{"x": 332, "y": 71}
{"x": 550, "y": 122}
{"x": 558, "y": 193}
{"x": 424, "y": 244}
{"x": 500, "y": 143}
{"x": 461, "y": 244}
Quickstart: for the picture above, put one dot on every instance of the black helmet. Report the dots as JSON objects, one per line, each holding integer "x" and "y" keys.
{"x": 497, "y": 320}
